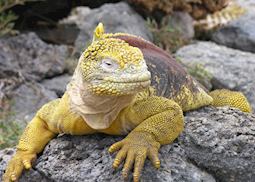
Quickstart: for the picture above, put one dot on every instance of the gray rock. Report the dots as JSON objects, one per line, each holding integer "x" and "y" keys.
{"x": 61, "y": 34}
{"x": 183, "y": 22}
{"x": 117, "y": 17}
{"x": 57, "y": 84}
{"x": 26, "y": 100}
{"x": 239, "y": 34}
{"x": 230, "y": 68}
{"x": 31, "y": 57}
{"x": 85, "y": 158}
{"x": 222, "y": 141}
{"x": 250, "y": 4}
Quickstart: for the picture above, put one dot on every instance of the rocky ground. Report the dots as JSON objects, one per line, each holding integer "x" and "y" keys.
{"x": 217, "y": 144}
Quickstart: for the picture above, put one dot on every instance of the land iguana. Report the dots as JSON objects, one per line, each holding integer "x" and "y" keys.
{"x": 122, "y": 85}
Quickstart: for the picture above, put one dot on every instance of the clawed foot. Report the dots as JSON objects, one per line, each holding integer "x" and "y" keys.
{"x": 134, "y": 149}
{"x": 20, "y": 160}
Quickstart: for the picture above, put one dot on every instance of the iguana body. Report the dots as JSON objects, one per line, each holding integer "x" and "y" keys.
{"x": 110, "y": 93}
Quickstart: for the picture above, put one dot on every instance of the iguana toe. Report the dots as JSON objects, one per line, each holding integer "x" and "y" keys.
{"x": 134, "y": 149}
{"x": 17, "y": 164}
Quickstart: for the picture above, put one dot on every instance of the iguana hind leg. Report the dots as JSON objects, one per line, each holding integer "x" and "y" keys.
{"x": 224, "y": 97}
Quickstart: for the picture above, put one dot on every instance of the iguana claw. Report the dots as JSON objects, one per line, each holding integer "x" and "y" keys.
{"x": 134, "y": 149}
{"x": 20, "y": 160}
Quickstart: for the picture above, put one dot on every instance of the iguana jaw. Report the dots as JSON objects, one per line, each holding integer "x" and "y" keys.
{"x": 118, "y": 86}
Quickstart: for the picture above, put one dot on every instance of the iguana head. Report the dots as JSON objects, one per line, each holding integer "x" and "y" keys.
{"x": 110, "y": 66}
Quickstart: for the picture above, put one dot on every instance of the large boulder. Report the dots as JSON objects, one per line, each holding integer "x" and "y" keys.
{"x": 218, "y": 141}
{"x": 24, "y": 60}
{"x": 231, "y": 69}
{"x": 183, "y": 22}
{"x": 57, "y": 84}
{"x": 221, "y": 141}
{"x": 119, "y": 17}
{"x": 85, "y": 158}
{"x": 31, "y": 57}
{"x": 26, "y": 100}
{"x": 239, "y": 34}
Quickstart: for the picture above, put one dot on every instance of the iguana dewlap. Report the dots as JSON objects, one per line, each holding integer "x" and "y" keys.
{"x": 110, "y": 93}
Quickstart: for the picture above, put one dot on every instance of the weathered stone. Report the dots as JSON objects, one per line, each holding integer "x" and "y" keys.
{"x": 61, "y": 34}
{"x": 239, "y": 34}
{"x": 117, "y": 17}
{"x": 183, "y": 22}
{"x": 85, "y": 158}
{"x": 222, "y": 141}
{"x": 26, "y": 100}
{"x": 31, "y": 57}
{"x": 230, "y": 68}
{"x": 57, "y": 84}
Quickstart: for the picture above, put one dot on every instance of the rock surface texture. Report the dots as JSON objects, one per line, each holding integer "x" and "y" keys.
{"x": 24, "y": 61}
{"x": 216, "y": 141}
{"x": 112, "y": 16}
{"x": 232, "y": 69}
{"x": 183, "y": 22}
{"x": 239, "y": 34}
{"x": 221, "y": 141}
{"x": 57, "y": 84}
{"x": 26, "y": 100}
{"x": 33, "y": 58}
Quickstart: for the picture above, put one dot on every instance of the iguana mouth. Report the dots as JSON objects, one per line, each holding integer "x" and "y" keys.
{"x": 127, "y": 82}
{"x": 138, "y": 83}
{"x": 145, "y": 79}
{"x": 143, "y": 83}
{"x": 130, "y": 79}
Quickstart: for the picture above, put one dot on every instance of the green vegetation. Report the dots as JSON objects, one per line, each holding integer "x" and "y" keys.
{"x": 200, "y": 74}
{"x": 10, "y": 130}
{"x": 7, "y": 17}
{"x": 165, "y": 36}
{"x": 9, "y": 134}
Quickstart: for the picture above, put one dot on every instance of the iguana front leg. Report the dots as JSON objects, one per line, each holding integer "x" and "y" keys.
{"x": 32, "y": 141}
{"x": 53, "y": 118}
{"x": 163, "y": 122}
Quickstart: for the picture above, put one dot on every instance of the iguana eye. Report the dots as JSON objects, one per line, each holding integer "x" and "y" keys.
{"x": 109, "y": 65}
{"x": 132, "y": 67}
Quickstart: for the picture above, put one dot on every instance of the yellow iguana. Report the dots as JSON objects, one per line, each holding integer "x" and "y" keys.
{"x": 110, "y": 93}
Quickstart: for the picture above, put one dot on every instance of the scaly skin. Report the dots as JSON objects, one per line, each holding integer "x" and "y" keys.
{"x": 111, "y": 77}
{"x": 154, "y": 120}
{"x": 225, "y": 97}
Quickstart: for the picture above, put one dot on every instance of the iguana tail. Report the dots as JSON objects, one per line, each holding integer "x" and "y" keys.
{"x": 223, "y": 97}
